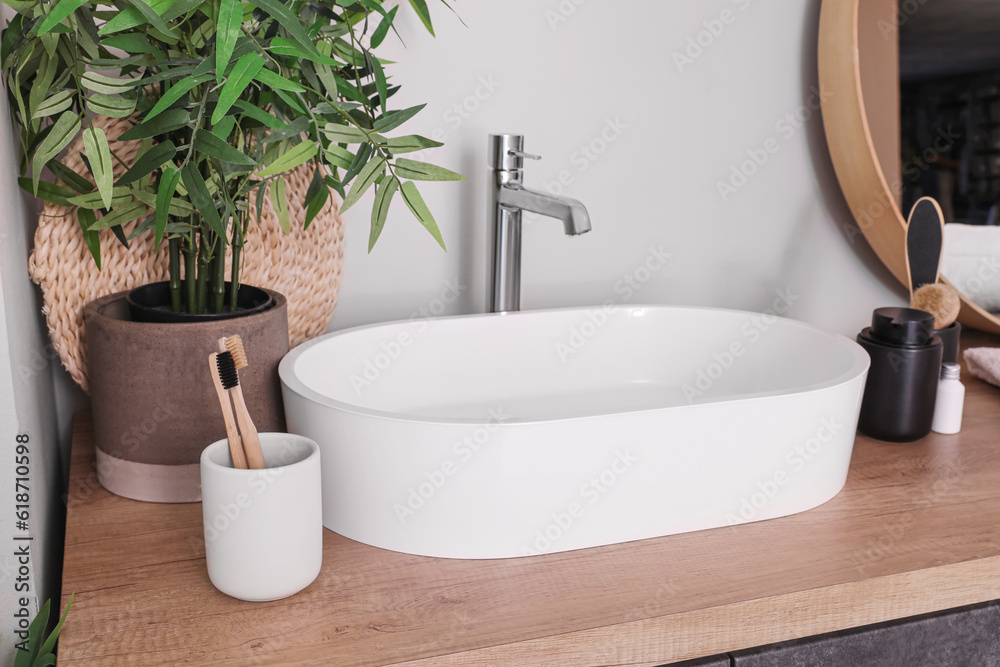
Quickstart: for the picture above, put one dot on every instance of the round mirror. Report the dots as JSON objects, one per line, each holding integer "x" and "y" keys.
{"x": 914, "y": 110}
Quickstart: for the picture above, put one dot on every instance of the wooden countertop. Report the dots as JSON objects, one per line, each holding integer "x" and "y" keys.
{"x": 916, "y": 529}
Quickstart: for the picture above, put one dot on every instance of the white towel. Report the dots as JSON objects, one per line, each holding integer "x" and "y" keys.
{"x": 984, "y": 363}
{"x": 970, "y": 260}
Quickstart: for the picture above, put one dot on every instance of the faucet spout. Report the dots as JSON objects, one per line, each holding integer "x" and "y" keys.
{"x": 508, "y": 197}
{"x": 572, "y": 212}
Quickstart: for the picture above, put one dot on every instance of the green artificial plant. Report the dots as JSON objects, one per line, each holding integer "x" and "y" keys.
{"x": 37, "y": 650}
{"x": 226, "y": 98}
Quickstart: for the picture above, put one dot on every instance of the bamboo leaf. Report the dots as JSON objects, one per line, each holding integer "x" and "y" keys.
{"x": 112, "y": 107}
{"x": 347, "y": 52}
{"x": 275, "y": 81}
{"x": 86, "y": 32}
{"x": 13, "y": 85}
{"x": 69, "y": 177}
{"x": 164, "y": 194}
{"x": 50, "y": 641}
{"x": 172, "y": 119}
{"x": 98, "y": 83}
{"x": 95, "y": 144}
{"x": 63, "y": 130}
{"x": 180, "y": 208}
{"x": 120, "y": 235}
{"x": 153, "y": 18}
{"x": 164, "y": 75}
{"x": 131, "y": 17}
{"x": 339, "y": 157}
{"x": 383, "y": 28}
{"x": 279, "y": 200}
{"x": 121, "y": 215}
{"x": 284, "y": 46}
{"x": 177, "y": 91}
{"x": 177, "y": 8}
{"x": 224, "y": 127}
{"x": 345, "y": 134}
{"x": 86, "y": 218}
{"x": 380, "y": 209}
{"x": 259, "y": 115}
{"x": 229, "y": 22}
{"x": 324, "y": 72}
{"x": 152, "y": 159}
{"x": 213, "y": 146}
{"x": 394, "y": 119}
{"x": 291, "y": 131}
{"x": 380, "y": 82}
{"x": 54, "y": 104}
{"x": 289, "y": 21}
{"x": 302, "y": 152}
{"x": 244, "y": 71}
{"x": 291, "y": 102}
{"x": 360, "y": 160}
{"x": 94, "y": 201}
{"x": 43, "y": 82}
{"x": 62, "y": 9}
{"x": 362, "y": 182}
{"x": 50, "y": 192}
{"x": 201, "y": 198}
{"x": 34, "y": 640}
{"x": 132, "y": 43}
{"x": 410, "y": 143}
{"x": 420, "y": 6}
{"x": 422, "y": 171}
{"x": 420, "y": 211}
{"x": 316, "y": 198}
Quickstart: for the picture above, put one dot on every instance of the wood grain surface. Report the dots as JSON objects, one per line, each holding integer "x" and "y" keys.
{"x": 916, "y": 529}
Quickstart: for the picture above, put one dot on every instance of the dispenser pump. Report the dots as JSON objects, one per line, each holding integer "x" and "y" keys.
{"x": 905, "y": 327}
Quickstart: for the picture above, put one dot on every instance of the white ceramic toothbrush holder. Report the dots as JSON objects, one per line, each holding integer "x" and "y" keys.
{"x": 263, "y": 528}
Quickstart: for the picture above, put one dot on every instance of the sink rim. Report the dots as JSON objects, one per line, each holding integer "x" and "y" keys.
{"x": 289, "y": 381}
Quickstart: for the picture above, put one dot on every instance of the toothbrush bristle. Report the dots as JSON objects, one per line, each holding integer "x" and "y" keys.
{"x": 235, "y": 346}
{"x": 227, "y": 370}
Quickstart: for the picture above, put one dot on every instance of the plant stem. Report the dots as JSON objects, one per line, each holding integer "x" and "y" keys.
{"x": 190, "y": 272}
{"x": 174, "y": 244}
{"x": 219, "y": 279}
{"x": 234, "y": 280}
{"x": 204, "y": 252}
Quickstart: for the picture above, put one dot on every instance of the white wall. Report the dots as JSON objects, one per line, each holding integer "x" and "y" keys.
{"x": 27, "y": 408}
{"x": 566, "y": 72}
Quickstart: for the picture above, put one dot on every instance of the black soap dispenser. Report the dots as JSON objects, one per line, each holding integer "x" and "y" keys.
{"x": 898, "y": 404}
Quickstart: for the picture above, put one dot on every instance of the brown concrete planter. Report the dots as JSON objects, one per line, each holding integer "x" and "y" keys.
{"x": 154, "y": 406}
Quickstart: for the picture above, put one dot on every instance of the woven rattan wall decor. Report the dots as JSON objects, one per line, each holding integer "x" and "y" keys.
{"x": 304, "y": 265}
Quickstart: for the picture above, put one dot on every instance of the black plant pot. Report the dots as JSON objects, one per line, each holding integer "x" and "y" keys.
{"x": 151, "y": 303}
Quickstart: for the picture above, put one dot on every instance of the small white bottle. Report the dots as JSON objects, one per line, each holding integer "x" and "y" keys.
{"x": 950, "y": 401}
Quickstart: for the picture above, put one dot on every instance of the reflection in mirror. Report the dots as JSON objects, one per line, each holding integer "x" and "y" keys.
{"x": 949, "y": 66}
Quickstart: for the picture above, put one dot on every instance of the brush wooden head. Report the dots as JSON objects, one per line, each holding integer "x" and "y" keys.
{"x": 227, "y": 370}
{"x": 940, "y": 300}
{"x": 234, "y": 344}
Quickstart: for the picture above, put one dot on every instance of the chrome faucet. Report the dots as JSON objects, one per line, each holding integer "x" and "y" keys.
{"x": 508, "y": 198}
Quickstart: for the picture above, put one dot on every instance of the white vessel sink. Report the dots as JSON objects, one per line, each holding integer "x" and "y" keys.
{"x": 491, "y": 436}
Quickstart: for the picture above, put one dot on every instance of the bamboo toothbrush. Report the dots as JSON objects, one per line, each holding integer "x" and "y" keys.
{"x": 235, "y": 442}
{"x": 251, "y": 441}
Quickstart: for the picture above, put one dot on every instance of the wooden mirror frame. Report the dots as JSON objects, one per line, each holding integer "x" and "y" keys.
{"x": 853, "y": 151}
